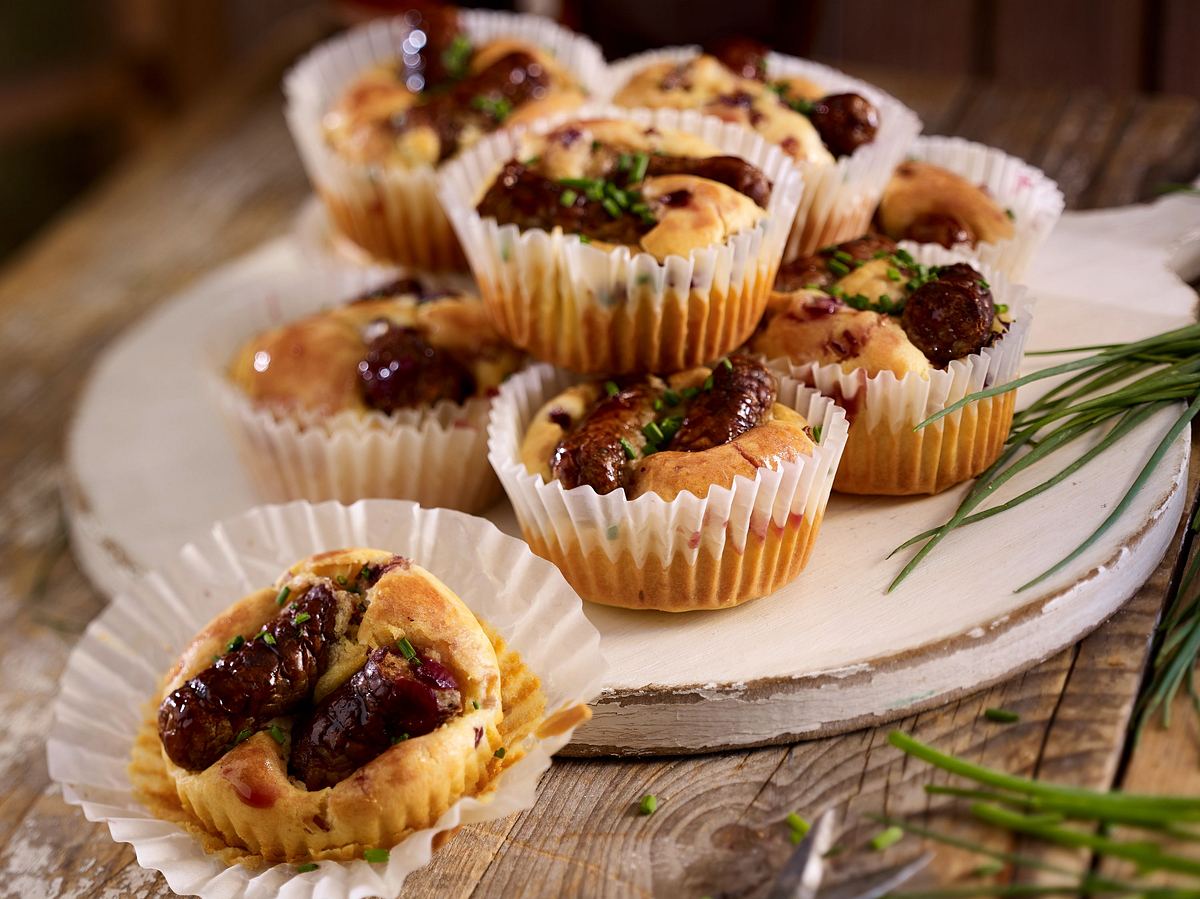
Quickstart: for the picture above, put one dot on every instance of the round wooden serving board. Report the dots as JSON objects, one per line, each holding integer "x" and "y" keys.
{"x": 150, "y": 468}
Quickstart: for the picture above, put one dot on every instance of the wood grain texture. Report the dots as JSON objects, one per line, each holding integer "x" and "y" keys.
{"x": 228, "y": 178}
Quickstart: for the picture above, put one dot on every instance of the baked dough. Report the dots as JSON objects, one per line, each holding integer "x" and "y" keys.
{"x": 247, "y": 797}
{"x": 919, "y": 189}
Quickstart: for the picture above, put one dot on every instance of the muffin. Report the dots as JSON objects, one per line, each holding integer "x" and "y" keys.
{"x": 895, "y": 336}
{"x": 338, "y": 710}
{"x": 844, "y": 135}
{"x": 376, "y": 111}
{"x": 629, "y": 241}
{"x": 384, "y": 396}
{"x": 698, "y": 490}
{"x": 972, "y": 197}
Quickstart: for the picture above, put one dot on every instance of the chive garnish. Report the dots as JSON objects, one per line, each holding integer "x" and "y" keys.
{"x": 283, "y": 595}
{"x": 568, "y": 197}
{"x": 648, "y": 804}
{"x": 399, "y": 738}
{"x": 611, "y": 388}
{"x": 798, "y": 826}
{"x": 708, "y": 383}
{"x": 885, "y": 838}
{"x": 638, "y": 170}
{"x": 838, "y": 267}
{"x": 1001, "y": 716}
{"x": 843, "y": 256}
{"x": 341, "y": 580}
{"x": 277, "y": 734}
{"x": 816, "y": 432}
{"x": 653, "y": 432}
{"x": 1012, "y": 215}
{"x": 500, "y": 753}
{"x": 671, "y": 397}
{"x": 376, "y": 856}
{"x": 242, "y": 735}
{"x": 268, "y": 638}
{"x": 728, "y": 363}
{"x": 658, "y": 404}
{"x": 611, "y": 207}
{"x": 406, "y": 649}
{"x": 893, "y": 274}
{"x": 475, "y": 703}
{"x": 630, "y": 452}
{"x": 301, "y": 618}
{"x": 690, "y": 393}
{"x": 235, "y": 644}
{"x": 306, "y": 867}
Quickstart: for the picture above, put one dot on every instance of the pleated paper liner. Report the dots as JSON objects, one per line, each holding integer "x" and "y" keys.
{"x": 1035, "y": 201}
{"x": 593, "y": 310}
{"x": 839, "y": 200}
{"x": 101, "y": 739}
{"x": 435, "y": 455}
{"x": 390, "y": 212}
{"x": 884, "y": 455}
{"x": 730, "y": 546}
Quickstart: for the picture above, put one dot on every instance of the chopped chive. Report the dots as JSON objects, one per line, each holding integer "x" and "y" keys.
{"x": 638, "y": 170}
{"x": 648, "y": 804}
{"x": 277, "y": 734}
{"x": 1012, "y": 215}
{"x": 1001, "y": 716}
{"x": 531, "y": 161}
{"x": 341, "y": 580}
{"x": 983, "y": 285}
{"x": 690, "y": 393}
{"x": 893, "y": 274}
{"x": 904, "y": 257}
{"x": 886, "y": 838}
{"x": 838, "y": 267}
{"x": 406, "y": 649}
{"x": 653, "y": 432}
{"x": 268, "y": 638}
{"x": 475, "y": 703}
{"x": 376, "y": 856}
{"x": 235, "y": 644}
{"x": 611, "y": 388}
{"x": 568, "y": 197}
{"x": 306, "y": 867}
{"x": 283, "y": 595}
{"x": 728, "y": 363}
{"x": 583, "y": 184}
{"x": 658, "y": 404}
{"x": 399, "y": 738}
{"x": 583, "y": 238}
{"x": 816, "y": 432}
{"x": 630, "y": 452}
{"x": 242, "y": 735}
{"x": 216, "y": 659}
{"x": 708, "y": 383}
{"x": 1002, "y": 308}
{"x": 671, "y": 398}
{"x": 623, "y": 162}
{"x": 611, "y": 207}
{"x": 843, "y": 256}
{"x": 301, "y": 618}
{"x": 500, "y": 753}
{"x": 798, "y": 826}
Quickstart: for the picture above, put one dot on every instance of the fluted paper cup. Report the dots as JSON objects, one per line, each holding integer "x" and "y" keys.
{"x": 549, "y": 655}
{"x": 884, "y": 455}
{"x": 1034, "y": 200}
{"x": 390, "y": 212}
{"x": 434, "y": 455}
{"x": 732, "y": 545}
{"x": 839, "y": 199}
{"x": 615, "y": 311}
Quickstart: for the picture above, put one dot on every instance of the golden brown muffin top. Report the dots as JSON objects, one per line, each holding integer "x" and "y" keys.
{"x": 929, "y": 204}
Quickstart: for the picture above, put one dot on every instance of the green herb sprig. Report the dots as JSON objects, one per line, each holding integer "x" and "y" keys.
{"x": 1113, "y": 390}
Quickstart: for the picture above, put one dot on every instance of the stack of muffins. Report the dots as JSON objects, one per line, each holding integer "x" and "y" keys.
{"x": 714, "y": 285}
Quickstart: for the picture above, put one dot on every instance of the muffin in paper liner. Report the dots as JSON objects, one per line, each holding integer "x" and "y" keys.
{"x": 733, "y": 545}
{"x": 393, "y": 213}
{"x": 103, "y": 740}
{"x": 615, "y": 311}
{"x": 436, "y": 455}
{"x": 1033, "y": 199}
{"x": 884, "y": 455}
{"x": 839, "y": 199}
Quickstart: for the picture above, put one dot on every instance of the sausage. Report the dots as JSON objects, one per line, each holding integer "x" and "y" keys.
{"x": 845, "y": 122}
{"x": 936, "y": 227}
{"x": 732, "y": 171}
{"x": 950, "y": 317}
{"x": 806, "y": 271}
{"x": 593, "y": 453}
{"x": 740, "y": 398}
{"x": 400, "y": 370}
{"x": 522, "y": 197}
{"x": 388, "y": 700}
{"x": 484, "y": 99}
{"x": 201, "y": 720}
{"x": 744, "y": 56}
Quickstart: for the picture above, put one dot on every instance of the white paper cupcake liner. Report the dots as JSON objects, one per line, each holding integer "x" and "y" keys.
{"x": 732, "y": 545}
{"x": 610, "y": 311}
{"x": 1035, "y": 200}
{"x": 435, "y": 456}
{"x": 883, "y": 454}
{"x": 118, "y": 665}
{"x": 840, "y": 199}
{"x": 393, "y": 213}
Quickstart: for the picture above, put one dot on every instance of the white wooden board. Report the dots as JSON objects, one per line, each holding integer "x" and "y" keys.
{"x": 150, "y": 468}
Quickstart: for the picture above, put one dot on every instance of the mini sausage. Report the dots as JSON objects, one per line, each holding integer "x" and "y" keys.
{"x": 201, "y": 720}
{"x": 740, "y": 398}
{"x": 594, "y": 453}
{"x": 950, "y": 317}
{"x": 845, "y": 122}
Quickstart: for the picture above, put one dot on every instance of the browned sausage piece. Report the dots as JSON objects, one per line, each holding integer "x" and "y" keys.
{"x": 950, "y": 317}
{"x": 743, "y": 56}
{"x": 845, "y": 122}
{"x": 401, "y": 371}
{"x": 594, "y": 453}
{"x": 388, "y": 700}
{"x": 740, "y": 398}
{"x": 732, "y": 171}
{"x": 201, "y": 720}
{"x": 936, "y": 227}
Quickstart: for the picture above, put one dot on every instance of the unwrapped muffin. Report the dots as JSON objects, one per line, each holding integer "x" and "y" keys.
{"x": 384, "y": 396}
{"x": 699, "y": 490}
{"x": 844, "y": 135}
{"x": 894, "y": 338}
{"x": 376, "y": 111}
{"x": 625, "y": 241}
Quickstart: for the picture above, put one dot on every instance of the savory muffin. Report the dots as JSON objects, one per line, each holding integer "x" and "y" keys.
{"x": 626, "y": 243}
{"x": 334, "y": 712}
{"x": 844, "y": 135}
{"x": 662, "y": 459}
{"x": 926, "y": 203}
{"x": 376, "y": 111}
{"x": 386, "y": 395}
{"x": 868, "y": 320}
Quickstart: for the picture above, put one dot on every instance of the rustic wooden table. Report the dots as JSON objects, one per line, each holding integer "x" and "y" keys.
{"x": 227, "y": 178}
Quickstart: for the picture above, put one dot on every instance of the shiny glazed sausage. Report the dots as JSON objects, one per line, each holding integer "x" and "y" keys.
{"x": 950, "y": 317}
{"x": 593, "y": 453}
{"x": 740, "y": 398}
{"x": 845, "y": 122}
